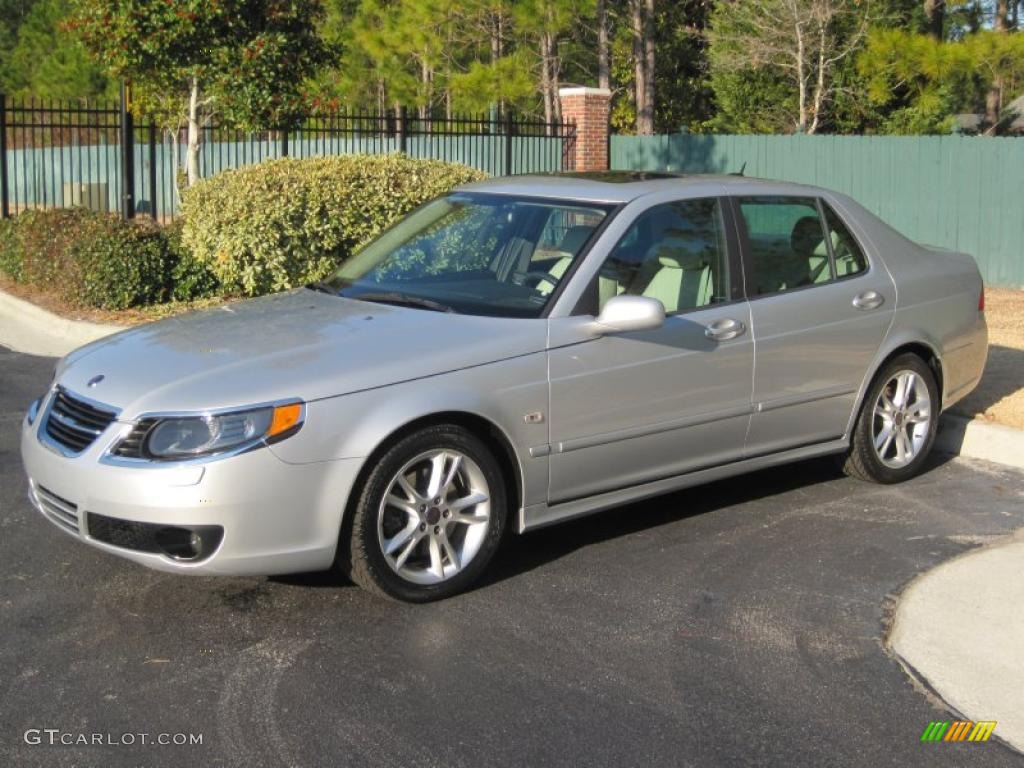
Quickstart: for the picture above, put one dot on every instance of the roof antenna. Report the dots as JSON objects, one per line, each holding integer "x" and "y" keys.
{"x": 741, "y": 170}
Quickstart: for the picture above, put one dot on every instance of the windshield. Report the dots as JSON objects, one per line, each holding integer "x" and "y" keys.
{"x": 477, "y": 254}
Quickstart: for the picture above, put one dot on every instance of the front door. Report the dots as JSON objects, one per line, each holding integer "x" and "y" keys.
{"x": 630, "y": 408}
{"x": 819, "y": 311}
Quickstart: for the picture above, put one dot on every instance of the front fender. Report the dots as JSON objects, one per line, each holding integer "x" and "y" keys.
{"x": 502, "y": 393}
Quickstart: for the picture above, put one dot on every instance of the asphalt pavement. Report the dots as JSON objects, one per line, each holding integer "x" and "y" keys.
{"x": 740, "y": 623}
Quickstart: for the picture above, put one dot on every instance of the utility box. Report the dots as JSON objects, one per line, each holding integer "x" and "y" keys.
{"x": 91, "y": 196}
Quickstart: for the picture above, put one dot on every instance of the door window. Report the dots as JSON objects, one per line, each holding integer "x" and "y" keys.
{"x": 675, "y": 253}
{"x": 788, "y": 248}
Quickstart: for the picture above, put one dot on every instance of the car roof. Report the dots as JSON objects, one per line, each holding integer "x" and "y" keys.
{"x": 625, "y": 186}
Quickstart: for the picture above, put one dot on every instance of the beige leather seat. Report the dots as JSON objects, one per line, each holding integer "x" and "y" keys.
{"x": 808, "y": 242}
{"x": 570, "y": 245}
{"x": 677, "y": 272}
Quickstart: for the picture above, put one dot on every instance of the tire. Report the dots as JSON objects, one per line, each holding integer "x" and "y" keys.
{"x": 893, "y": 436}
{"x": 450, "y": 534}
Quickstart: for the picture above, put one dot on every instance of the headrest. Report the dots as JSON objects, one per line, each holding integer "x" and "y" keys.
{"x": 807, "y": 236}
{"x": 574, "y": 238}
{"x": 680, "y": 253}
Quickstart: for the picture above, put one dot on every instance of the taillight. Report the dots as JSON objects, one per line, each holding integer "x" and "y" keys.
{"x": 981, "y": 299}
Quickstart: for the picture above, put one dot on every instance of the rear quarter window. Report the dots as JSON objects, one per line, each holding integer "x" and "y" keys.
{"x": 849, "y": 255}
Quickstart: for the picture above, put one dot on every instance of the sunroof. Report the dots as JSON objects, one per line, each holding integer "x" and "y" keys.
{"x": 619, "y": 177}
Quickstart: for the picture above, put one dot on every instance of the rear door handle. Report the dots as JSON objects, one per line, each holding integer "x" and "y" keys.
{"x": 724, "y": 329}
{"x": 868, "y": 300}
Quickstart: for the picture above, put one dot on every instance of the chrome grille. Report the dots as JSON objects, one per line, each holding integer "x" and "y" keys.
{"x": 74, "y": 423}
{"x": 56, "y": 508}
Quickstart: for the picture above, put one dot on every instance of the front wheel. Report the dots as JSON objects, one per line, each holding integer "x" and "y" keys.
{"x": 897, "y": 423}
{"x": 429, "y": 516}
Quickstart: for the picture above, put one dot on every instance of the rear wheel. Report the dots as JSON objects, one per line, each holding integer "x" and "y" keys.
{"x": 429, "y": 516}
{"x": 897, "y": 423}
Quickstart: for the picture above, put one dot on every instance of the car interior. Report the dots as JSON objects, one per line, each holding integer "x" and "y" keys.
{"x": 791, "y": 256}
{"x": 674, "y": 253}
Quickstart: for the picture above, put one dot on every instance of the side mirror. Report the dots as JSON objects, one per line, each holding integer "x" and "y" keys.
{"x": 622, "y": 314}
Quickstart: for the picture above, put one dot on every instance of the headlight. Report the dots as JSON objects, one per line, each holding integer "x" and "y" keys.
{"x": 185, "y": 437}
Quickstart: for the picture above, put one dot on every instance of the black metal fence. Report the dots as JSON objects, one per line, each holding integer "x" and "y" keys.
{"x": 61, "y": 154}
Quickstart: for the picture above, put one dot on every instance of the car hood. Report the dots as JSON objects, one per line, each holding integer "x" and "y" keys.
{"x": 301, "y": 344}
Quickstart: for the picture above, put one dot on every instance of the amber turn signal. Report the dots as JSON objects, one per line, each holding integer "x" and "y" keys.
{"x": 285, "y": 417}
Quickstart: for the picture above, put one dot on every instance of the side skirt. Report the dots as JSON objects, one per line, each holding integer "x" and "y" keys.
{"x": 541, "y": 515}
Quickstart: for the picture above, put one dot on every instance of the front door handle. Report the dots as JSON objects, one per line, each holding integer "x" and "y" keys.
{"x": 868, "y": 300}
{"x": 724, "y": 329}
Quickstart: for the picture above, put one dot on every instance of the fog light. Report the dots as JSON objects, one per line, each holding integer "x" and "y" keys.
{"x": 188, "y": 543}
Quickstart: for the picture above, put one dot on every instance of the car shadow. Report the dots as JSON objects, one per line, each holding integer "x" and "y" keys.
{"x": 521, "y": 554}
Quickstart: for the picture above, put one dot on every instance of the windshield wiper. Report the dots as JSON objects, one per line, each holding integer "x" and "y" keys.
{"x": 323, "y": 287}
{"x": 403, "y": 299}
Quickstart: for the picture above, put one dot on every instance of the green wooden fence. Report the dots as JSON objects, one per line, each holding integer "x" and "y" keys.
{"x": 956, "y": 192}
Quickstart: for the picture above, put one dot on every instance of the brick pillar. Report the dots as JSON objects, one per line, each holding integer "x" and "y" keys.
{"x": 588, "y": 108}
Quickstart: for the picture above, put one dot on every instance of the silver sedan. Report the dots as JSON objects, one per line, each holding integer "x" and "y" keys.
{"x": 519, "y": 352}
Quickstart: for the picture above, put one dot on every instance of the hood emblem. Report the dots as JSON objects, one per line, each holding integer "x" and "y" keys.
{"x": 95, "y": 380}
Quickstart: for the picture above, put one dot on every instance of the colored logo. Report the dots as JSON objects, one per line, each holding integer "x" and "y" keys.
{"x": 959, "y": 730}
{"x": 96, "y": 380}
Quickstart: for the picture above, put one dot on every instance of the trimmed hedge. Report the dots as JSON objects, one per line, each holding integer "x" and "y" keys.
{"x": 284, "y": 223}
{"x": 189, "y": 278}
{"x": 119, "y": 264}
{"x": 255, "y": 230}
{"x": 98, "y": 260}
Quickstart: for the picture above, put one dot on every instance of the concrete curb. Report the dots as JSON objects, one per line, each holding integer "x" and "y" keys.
{"x": 25, "y": 327}
{"x": 957, "y": 627}
{"x": 976, "y": 439}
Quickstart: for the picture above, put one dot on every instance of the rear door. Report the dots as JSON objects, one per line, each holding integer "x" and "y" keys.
{"x": 819, "y": 312}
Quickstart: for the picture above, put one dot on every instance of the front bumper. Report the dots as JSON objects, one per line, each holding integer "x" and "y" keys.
{"x": 261, "y": 515}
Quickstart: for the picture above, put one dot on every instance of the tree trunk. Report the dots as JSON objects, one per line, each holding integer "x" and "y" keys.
{"x": 497, "y": 48}
{"x": 994, "y": 97}
{"x": 992, "y": 106}
{"x": 649, "y": 64}
{"x": 195, "y": 136}
{"x": 604, "y": 77}
{"x": 934, "y": 16}
{"x": 427, "y": 96}
{"x": 1002, "y": 20}
{"x": 801, "y": 76}
{"x": 556, "y": 80}
{"x": 545, "y": 77}
{"x": 175, "y": 138}
{"x": 643, "y": 54}
{"x": 819, "y": 86}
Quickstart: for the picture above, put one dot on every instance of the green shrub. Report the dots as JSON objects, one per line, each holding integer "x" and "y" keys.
{"x": 283, "y": 223}
{"x": 10, "y": 250}
{"x": 87, "y": 258}
{"x": 120, "y": 264}
{"x": 190, "y": 278}
{"x": 46, "y": 239}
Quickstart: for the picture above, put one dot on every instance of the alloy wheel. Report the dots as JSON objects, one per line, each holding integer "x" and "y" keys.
{"x": 434, "y": 517}
{"x": 902, "y": 419}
